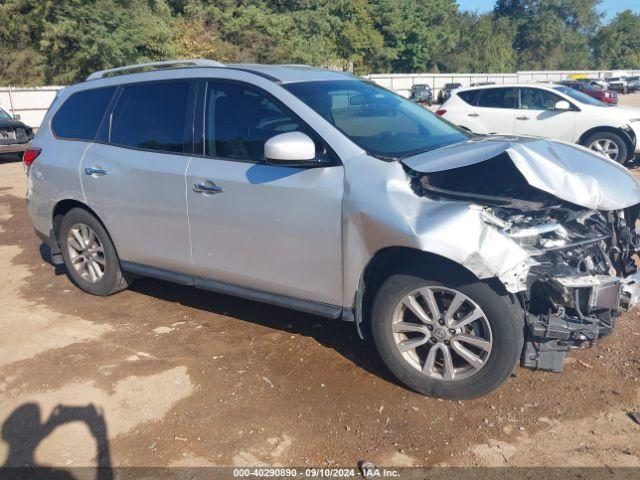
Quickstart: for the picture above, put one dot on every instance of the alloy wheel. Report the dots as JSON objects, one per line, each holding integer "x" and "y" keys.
{"x": 442, "y": 333}
{"x": 606, "y": 147}
{"x": 86, "y": 252}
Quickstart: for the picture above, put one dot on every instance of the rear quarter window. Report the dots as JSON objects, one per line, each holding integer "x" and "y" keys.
{"x": 470, "y": 96}
{"x": 80, "y": 115}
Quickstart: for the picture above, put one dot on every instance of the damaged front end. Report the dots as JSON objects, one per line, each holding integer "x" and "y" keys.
{"x": 581, "y": 240}
{"x": 584, "y": 276}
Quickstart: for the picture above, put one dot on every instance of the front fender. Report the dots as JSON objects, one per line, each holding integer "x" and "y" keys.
{"x": 380, "y": 210}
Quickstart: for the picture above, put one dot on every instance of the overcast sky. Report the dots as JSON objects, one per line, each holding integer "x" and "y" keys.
{"x": 609, "y": 7}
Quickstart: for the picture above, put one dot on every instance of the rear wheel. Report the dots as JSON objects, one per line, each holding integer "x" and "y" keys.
{"x": 445, "y": 338}
{"x": 89, "y": 255}
{"x": 609, "y": 144}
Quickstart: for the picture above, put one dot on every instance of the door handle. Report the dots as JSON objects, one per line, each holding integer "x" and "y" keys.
{"x": 95, "y": 171}
{"x": 473, "y": 115}
{"x": 522, "y": 118}
{"x": 207, "y": 188}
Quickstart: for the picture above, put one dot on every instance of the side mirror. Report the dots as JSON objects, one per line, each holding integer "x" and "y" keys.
{"x": 292, "y": 149}
{"x": 562, "y": 105}
{"x": 16, "y": 116}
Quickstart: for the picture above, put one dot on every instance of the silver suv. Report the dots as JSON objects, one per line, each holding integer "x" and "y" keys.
{"x": 315, "y": 190}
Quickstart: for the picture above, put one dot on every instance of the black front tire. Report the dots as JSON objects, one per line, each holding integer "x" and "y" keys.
{"x": 113, "y": 279}
{"x": 623, "y": 150}
{"x": 506, "y": 325}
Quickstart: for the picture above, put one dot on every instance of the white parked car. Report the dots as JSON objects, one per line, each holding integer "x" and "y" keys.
{"x": 546, "y": 110}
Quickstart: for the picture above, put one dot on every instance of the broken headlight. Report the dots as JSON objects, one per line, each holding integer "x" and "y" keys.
{"x": 526, "y": 232}
{"x": 546, "y": 235}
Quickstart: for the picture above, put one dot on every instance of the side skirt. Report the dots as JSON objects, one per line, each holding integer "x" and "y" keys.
{"x": 307, "y": 306}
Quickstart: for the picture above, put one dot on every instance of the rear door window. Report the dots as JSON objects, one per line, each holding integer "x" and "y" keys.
{"x": 497, "y": 98}
{"x": 153, "y": 116}
{"x": 470, "y": 96}
{"x": 80, "y": 115}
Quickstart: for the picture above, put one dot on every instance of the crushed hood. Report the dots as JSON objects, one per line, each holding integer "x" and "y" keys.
{"x": 566, "y": 171}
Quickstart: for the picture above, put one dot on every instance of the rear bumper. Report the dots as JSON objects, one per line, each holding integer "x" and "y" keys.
{"x": 9, "y": 141}
{"x": 21, "y": 137}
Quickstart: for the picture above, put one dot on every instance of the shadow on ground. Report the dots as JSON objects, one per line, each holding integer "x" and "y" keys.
{"x": 24, "y": 430}
{"x": 341, "y": 336}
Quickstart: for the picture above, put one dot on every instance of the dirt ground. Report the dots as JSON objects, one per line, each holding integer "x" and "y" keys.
{"x": 168, "y": 375}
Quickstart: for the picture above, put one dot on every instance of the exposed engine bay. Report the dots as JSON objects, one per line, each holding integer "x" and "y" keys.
{"x": 582, "y": 273}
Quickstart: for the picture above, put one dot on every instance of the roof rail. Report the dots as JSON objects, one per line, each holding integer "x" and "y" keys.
{"x": 198, "y": 62}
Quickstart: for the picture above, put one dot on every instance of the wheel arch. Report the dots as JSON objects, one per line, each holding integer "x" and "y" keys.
{"x": 396, "y": 259}
{"x": 630, "y": 142}
{"x": 60, "y": 210}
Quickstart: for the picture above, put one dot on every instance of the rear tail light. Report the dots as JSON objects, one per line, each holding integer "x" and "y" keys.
{"x": 29, "y": 156}
{"x": 441, "y": 112}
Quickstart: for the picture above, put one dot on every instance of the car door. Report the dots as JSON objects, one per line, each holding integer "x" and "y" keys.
{"x": 495, "y": 110}
{"x": 134, "y": 177}
{"x": 538, "y": 116}
{"x": 263, "y": 227}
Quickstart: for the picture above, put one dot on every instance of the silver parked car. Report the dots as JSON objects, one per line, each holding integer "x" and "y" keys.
{"x": 459, "y": 255}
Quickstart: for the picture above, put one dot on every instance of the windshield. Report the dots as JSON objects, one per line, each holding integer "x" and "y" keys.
{"x": 4, "y": 115}
{"x": 579, "y": 96}
{"x": 377, "y": 120}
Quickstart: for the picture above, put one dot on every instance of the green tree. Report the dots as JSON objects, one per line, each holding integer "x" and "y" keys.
{"x": 81, "y": 36}
{"x": 485, "y": 44}
{"x": 332, "y": 33}
{"x": 617, "y": 45}
{"x": 552, "y": 34}
{"x": 62, "y": 41}
{"x": 20, "y": 59}
{"x": 417, "y": 33}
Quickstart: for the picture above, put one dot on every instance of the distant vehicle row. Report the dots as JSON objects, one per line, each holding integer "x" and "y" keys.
{"x": 593, "y": 90}
{"x": 604, "y": 90}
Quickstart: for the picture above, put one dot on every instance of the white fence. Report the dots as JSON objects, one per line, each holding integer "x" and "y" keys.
{"x": 32, "y": 103}
{"x": 402, "y": 82}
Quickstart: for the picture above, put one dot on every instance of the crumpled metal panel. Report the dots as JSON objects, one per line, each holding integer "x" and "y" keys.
{"x": 381, "y": 210}
{"x": 566, "y": 171}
